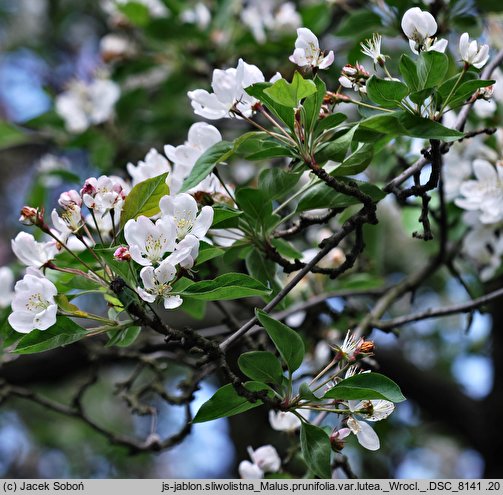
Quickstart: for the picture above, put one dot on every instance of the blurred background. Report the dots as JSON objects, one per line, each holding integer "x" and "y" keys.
{"x": 155, "y": 51}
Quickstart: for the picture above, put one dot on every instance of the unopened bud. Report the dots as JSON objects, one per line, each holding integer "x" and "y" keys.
{"x": 28, "y": 215}
{"x": 88, "y": 188}
{"x": 69, "y": 198}
{"x": 349, "y": 70}
{"x": 337, "y": 438}
{"x": 366, "y": 347}
{"x": 122, "y": 254}
{"x": 486, "y": 93}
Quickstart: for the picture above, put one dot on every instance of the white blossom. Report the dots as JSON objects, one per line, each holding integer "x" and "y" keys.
{"x": 429, "y": 45}
{"x": 372, "y": 48}
{"x": 104, "y": 193}
{"x": 265, "y": 15}
{"x": 471, "y": 53}
{"x": 68, "y": 223}
{"x": 115, "y": 46}
{"x": 249, "y": 471}
{"x": 483, "y": 245}
{"x": 365, "y": 434}
{"x": 182, "y": 208}
{"x": 85, "y": 104}
{"x": 69, "y": 198}
{"x": 33, "y": 253}
{"x": 186, "y": 252}
{"x": 154, "y": 164}
{"x": 418, "y": 25}
{"x": 285, "y": 420}
{"x": 372, "y": 410}
{"x": 156, "y": 283}
{"x": 33, "y": 305}
{"x": 201, "y": 136}
{"x": 199, "y": 15}
{"x": 148, "y": 241}
{"x": 266, "y": 458}
{"x": 307, "y": 51}
{"x": 228, "y": 92}
{"x": 6, "y": 283}
{"x": 485, "y": 194}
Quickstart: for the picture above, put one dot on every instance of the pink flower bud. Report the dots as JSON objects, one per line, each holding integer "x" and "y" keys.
{"x": 70, "y": 198}
{"x": 122, "y": 254}
{"x": 88, "y": 188}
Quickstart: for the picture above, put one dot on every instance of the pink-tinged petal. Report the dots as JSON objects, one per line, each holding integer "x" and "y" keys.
{"x": 343, "y": 433}
{"x": 327, "y": 61}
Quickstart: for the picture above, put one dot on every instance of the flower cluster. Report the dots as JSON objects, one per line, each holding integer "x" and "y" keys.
{"x": 154, "y": 245}
{"x": 87, "y": 103}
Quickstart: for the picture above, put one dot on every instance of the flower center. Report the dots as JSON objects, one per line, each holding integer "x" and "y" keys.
{"x": 153, "y": 247}
{"x": 36, "y": 303}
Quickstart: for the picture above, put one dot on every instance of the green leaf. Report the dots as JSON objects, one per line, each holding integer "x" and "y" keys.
{"x": 416, "y": 126}
{"x": 366, "y": 386}
{"x": 260, "y": 146}
{"x": 227, "y": 402}
{"x": 356, "y": 162}
{"x": 323, "y": 196}
{"x": 432, "y": 67}
{"x": 8, "y": 335}
{"x": 144, "y": 199}
{"x": 284, "y": 113}
{"x": 10, "y": 135}
{"x": 124, "y": 337}
{"x": 359, "y": 21}
{"x": 136, "y": 12}
{"x": 408, "y": 69}
{"x": 316, "y": 450}
{"x": 287, "y": 341}
{"x": 225, "y": 287}
{"x": 65, "y": 331}
{"x": 262, "y": 268}
{"x": 218, "y": 153}
{"x": 255, "y": 205}
{"x": 405, "y": 124}
{"x": 261, "y": 366}
{"x": 313, "y": 103}
{"x": 466, "y": 89}
{"x": 225, "y": 217}
{"x": 286, "y": 249}
{"x": 306, "y": 393}
{"x": 208, "y": 252}
{"x": 337, "y": 148}
{"x": 330, "y": 122}
{"x": 275, "y": 182}
{"x": 289, "y": 94}
{"x": 388, "y": 94}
